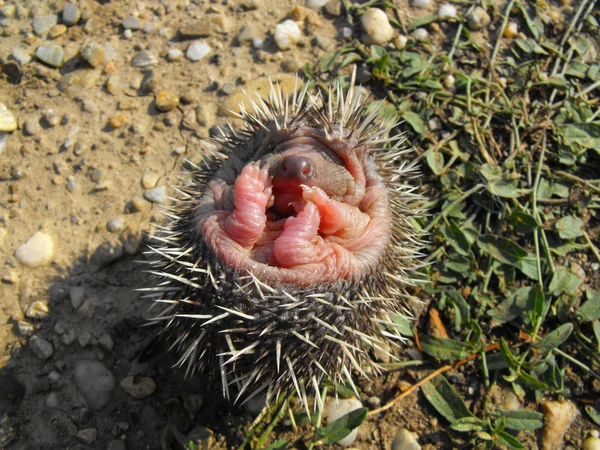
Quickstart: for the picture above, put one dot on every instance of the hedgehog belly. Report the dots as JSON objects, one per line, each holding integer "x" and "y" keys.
{"x": 286, "y": 258}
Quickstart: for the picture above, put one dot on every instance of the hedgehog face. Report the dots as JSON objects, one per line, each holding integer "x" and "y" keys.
{"x": 312, "y": 210}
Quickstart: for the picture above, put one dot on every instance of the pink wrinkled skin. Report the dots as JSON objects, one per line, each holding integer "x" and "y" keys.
{"x": 314, "y": 212}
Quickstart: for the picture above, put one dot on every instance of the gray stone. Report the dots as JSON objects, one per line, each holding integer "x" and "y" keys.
{"x": 115, "y": 224}
{"x": 95, "y": 382}
{"x": 156, "y": 195}
{"x": 107, "y": 253}
{"x": 51, "y": 53}
{"x": 197, "y": 50}
{"x": 42, "y": 24}
{"x": 144, "y": 59}
{"x": 138, "y": 387}
{"x": 132, "y": 23}
{"x": 41, "y": 347}
{"x": 106, "y": 342}
{"x": 77, "y": 295}
{"x": 70, "y": 14}
{"x": 20, "y": 55}
{"x": 116, "y": 445}
{"x": 32, "y": 126}
{"x": 87, "y": 435}
{"x": 405, "y": 440}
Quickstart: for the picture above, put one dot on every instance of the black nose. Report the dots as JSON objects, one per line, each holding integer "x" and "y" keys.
{"x": 297, "y": 167}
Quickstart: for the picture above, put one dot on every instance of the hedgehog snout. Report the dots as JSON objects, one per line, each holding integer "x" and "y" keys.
{"x": 295, "y": 167}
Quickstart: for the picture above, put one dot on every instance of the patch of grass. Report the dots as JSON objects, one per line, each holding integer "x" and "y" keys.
{"x": 509, "y": 139}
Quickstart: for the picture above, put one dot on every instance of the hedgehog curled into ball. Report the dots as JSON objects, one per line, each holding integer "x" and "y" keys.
{"x": 285, "y": 259}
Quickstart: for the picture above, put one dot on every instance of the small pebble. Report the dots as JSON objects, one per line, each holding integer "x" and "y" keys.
{"x": 41, "y": 347}
{"x": 315, "y": 4}
{"x": 51, "y": 401}
{"x": 38, "y": 310}
{"x": 37, "y": 251}
{"x": 423, "y": 4}
{"x": 287, "y": 34}
{"x": 53, "y": 376}
{"x": 106, "y": 342}
{"x": 107, "y": 253}
{"x": 131, "y": 23}
{"x": 20, "y": 55}
{"x": 26, "y": 329}
{"x": 51, "y": 53}
{"x": 336, "y": 408}
{"x": 138, "y": 387}
{"x": 87, "y": 435}
{"x": 144, "y": 59}
{"x": 334, "y": 7}
{"x": 558, "y": 417}
{"x": 478, "y": 19}
{"x": 84, "y": 339}
{"x": 8, "y": 122}
{"x": 174, "y": 54}
{"x": 400, "y": 42}
{"x": 247, "y": 33}
{"x": 71, "y": 184}
{"x": 114, "y": 225}
{"x": 57, "y": 30}
{"x": 95, "y": 382}
{"x": 42, "y": 24}
{"x": 51, "y": 118}
{"x": 77, "y": 295}
{"x": 156, "y": 195}
{"x": 150, "y": 180}
{"x": 591, "y": 443}
{"x": 93, "y": 53}
{"x": 405, "y": 440}
{"x": 70, "y": 14}
{"x": 197, "y": 50}
{"x": 127, "y": 34}
{"x": 166, "y": 101}
{"x": 511, "y": 30}
{"x": 447, "y": 10}
{"x": 258, "y": 43}
{"x": 116, "y": 444}
{"x": 118, "y": 120}
{"x": 8, "y": 11}
{"x": 420, "y": 34}
{"x": 377, "y": 27}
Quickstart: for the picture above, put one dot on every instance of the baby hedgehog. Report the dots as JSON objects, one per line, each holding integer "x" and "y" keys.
{"x": 285, "y": 258}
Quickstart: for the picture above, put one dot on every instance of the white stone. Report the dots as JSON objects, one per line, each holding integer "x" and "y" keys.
{"x": 336, "y": 408}
{"x": 315, "y": 4}
{"x": 20, "y": 55}
{"x": 8, "y": 122}
{"x": 377, "y": 26}
{"x": 347, "y": 32}
{"x": 37, "y": 251}
{"x": 478, "y": 19}
{"x": 447, "y": 10}
{"x": 287, "y": 34}
{"x": 197, "y": 50}
{"x": 405, "y": 440}
{"x": 420, "y": 3}
{"x": 3, "y": 141}
{"x": 258, "y": 43}
{"x": 174, "y": 54}
{"x": 420, "y": 34}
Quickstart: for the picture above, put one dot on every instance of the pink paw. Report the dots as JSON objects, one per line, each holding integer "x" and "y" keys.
{"x": 253, "y": 185}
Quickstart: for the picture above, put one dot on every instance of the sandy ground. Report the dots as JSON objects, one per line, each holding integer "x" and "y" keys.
{"x": 90, "y": 145}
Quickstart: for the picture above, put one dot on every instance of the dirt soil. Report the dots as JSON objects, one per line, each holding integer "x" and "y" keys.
{"x": 90, "y": 145}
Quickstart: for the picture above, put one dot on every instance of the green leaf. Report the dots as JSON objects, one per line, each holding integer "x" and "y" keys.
{"x": 435, "y": 161}
{"x": 403, "y": 324}
{"x": 415, "y": 121}
{"x": 504, "y": 188}
{"x": 461, "y": 305}
{"x": 569, "y": 227}
{"x": 280, "y": 444}
{"x": 502, "y": 249}
{"x": 590, "y": 310}
{"x": 522, "y": 419}
{"x": 523, "y": 222}
{"x": 594, "y": 413}
{"x": 421, "y": 22}
{"x": 586, "y": 135}
{"x": 514, "y": 305}
{"x": 508, "y": 440}
{"x": 445, "y": 349}
{"x": 564, "y": 281}
{"x": 554, "y": 339}
{"x": 340, "y": 428}
{"x": 468, "y": 424}
{"x": 446, "y": 401}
